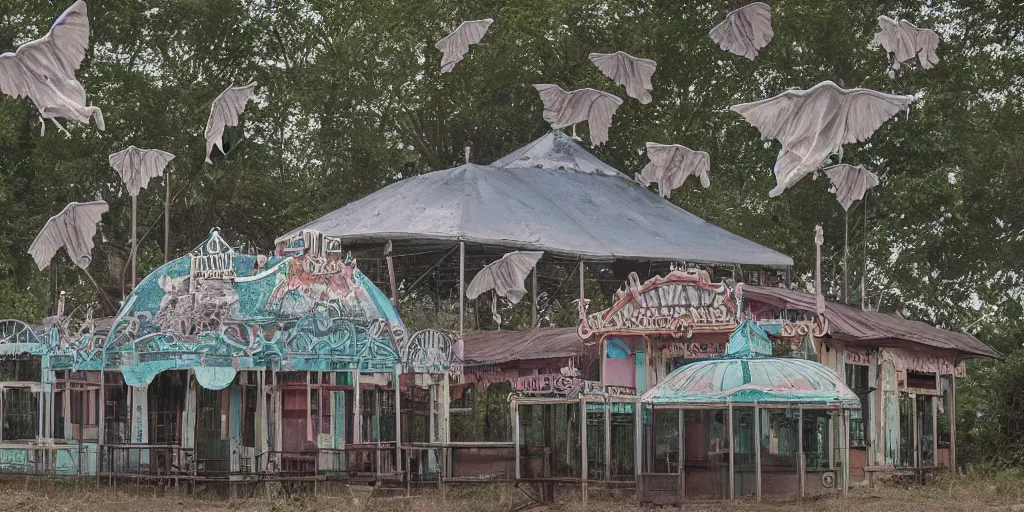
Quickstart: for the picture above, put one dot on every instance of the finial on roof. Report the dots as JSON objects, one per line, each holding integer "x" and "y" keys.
{"x": 749, "y": 340}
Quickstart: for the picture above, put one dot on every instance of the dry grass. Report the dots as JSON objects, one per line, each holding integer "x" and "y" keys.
{"x": 976, "y": 494}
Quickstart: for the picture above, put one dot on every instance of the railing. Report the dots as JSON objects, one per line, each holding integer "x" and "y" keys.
{"x": 34, "y": 458}
{"x": 458, "y": 462}
{"x": 147, "y": 462}
{"x": 354, "y": 462}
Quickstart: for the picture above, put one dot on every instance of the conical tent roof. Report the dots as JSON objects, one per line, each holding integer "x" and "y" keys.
{"x": 551, "y": 195}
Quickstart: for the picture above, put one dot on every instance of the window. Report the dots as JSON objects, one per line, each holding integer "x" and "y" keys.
{"x": 857, "y": 379}
{"x": 816, "y": 438}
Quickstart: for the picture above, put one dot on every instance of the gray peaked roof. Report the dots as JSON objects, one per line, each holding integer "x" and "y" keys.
{"x": 550, "y": 195}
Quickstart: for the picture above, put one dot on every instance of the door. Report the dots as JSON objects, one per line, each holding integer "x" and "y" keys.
{"x": 212, "y": 446}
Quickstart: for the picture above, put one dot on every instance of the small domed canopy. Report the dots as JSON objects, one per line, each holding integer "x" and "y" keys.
{"x": 747, "y": 374}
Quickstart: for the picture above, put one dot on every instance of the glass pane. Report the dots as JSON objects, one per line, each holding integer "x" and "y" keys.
{"x": 743, "y": 451}
{"x": 779, "y": 438}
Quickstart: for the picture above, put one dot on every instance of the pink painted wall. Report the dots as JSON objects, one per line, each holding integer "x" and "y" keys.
{"x": 621, "y": 372}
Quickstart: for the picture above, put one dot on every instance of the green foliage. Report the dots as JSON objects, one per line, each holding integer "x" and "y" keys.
{"x": 990, "y": 405}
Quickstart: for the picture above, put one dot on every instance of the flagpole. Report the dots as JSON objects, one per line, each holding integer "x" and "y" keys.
{"x": 135, "y": 249}
{"x": 167, "y": 216}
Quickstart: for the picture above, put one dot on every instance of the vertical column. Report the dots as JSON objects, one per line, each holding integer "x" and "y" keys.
{"x": 638, "y": 438}
{"x": 952, "y": 419}
{"x": 800, "y": 462}
{"x": 874, "y": 454}
{"x": 235, "y": 424}
{"x": 391, "y": 273}
{"x": 935, "y": 430}
{"x": 309, "y": 410}
{"x": 167, "y": 215}
{"x": 608, "y": 439}
{"x": 533, "y": 301}
{"x": 846, "y": 451}
{"x": 462, "y": 286}
{"x": 398, "y": 419}
{"x": 682, "y": 453}
{"x": 357, "y": 408}
{"x": 757, "y": 450}
{"x": 515, "y": 434}
{"x": 915, "y": 431}
{"x": 732, "y": 450}
{"x": 584, "y": 470}
{"x": 135, "y": 241}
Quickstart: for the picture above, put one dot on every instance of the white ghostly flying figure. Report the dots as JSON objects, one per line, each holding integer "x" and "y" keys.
{"x": 455, "y": 46}
{"x": 903, "y": 41}
{"x": 506, "y": 276}
{"x": 814, "y": 123}
{"x": 137, "y": 166}
{"x": 44, "y": 71}
{"x": 631, "y": 72}
{"x": 746, "y": 30}
{"x": 850, "y": 182}
{"x": 73, "y": 229}
{"x": 671, "y": 164}
{"x": 566, "y": 108}
{"x": 224, "y": 112}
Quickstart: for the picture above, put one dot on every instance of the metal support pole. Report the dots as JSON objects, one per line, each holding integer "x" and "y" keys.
{"x": 135, "y": 242}
{"x": 846, "y": 255}
{"x": 583, "y": 293}
{"x": 584, "y": 469}
{"x": 167, "y": 216}
{"x": 800, "y": 462}
{"x": 602, "y": 375}
{"x": 864, "y": 272}
{"x": 391, "y": 273}
{"x": 515, "y": 435}
{"x": 101, "y": 430}
{"x": 682, "y": 453}
{"x": 846, "y": 453}
{"x": 952, "y": 418}
{"x": 638, "y": 438}
{"x": 398, "y": 420}
{"x": 357, "y": 408}
{"x": 757, "y": 450}
{"x": 915, "y": 432}
{"x": 533, "y": 301}
{"x": 608, "y": 439}
{"x": 462, "y": 286}
{"x": 732, "y": 472}
{"x": 935, "y": 430}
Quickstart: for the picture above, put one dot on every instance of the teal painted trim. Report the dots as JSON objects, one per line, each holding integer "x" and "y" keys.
{"x": 641, "y": 372}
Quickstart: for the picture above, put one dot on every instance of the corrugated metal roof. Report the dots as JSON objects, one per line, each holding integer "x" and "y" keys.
{"x": 551, "y": 195}
{"x": 850, "y": 323}
{"x": 495, "y": 347}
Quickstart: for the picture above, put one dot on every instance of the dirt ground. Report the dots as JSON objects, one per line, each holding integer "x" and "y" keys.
{"x": 974, "y": 494}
